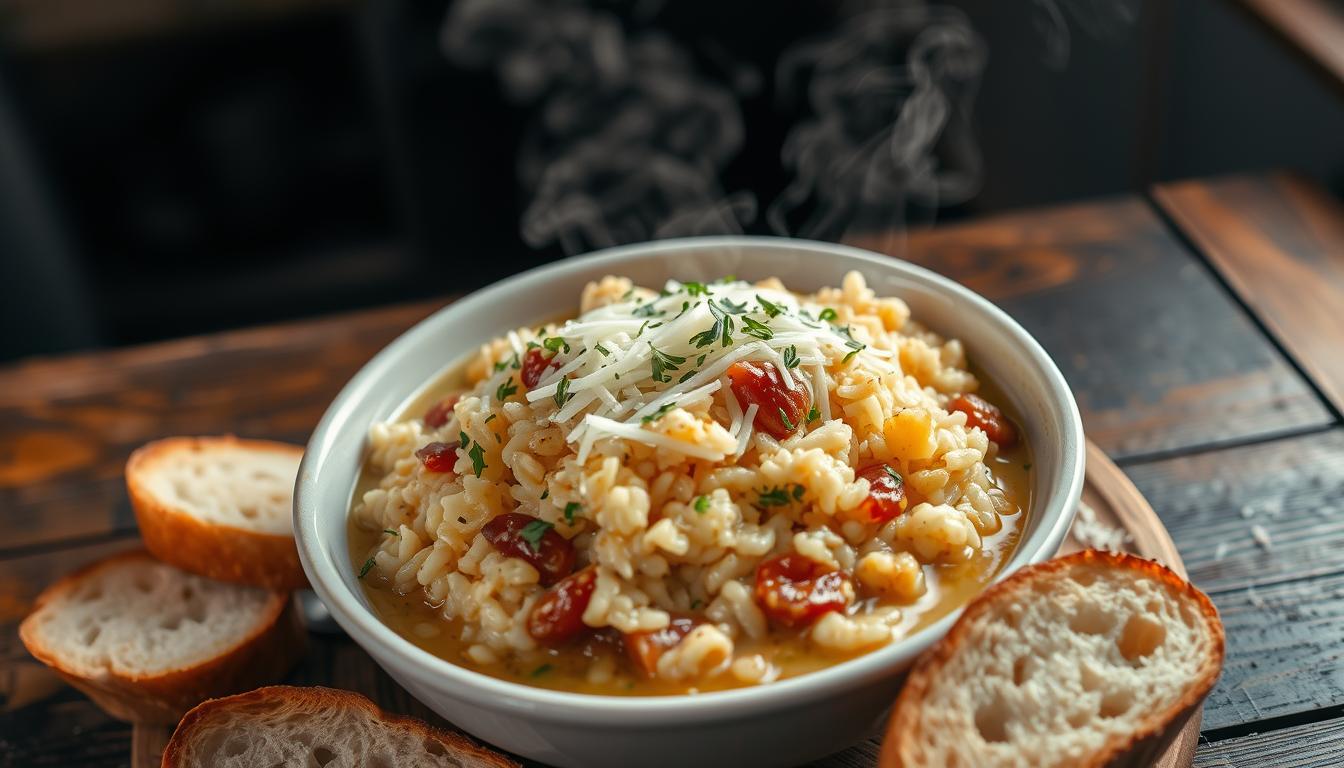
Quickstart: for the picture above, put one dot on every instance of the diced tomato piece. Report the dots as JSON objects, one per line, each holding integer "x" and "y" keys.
{"x": 535, "y": 363}
{"x": 987, "y": 416}
{"x": 644, "y": 648}
{"x": 795, "y": 591}
{"x": 780, "y": 410}
{"x": 534, "y": 540}
{"x": 438, "y": 457}
{"x": 886, "y": 494}
{"x": 557, "y": 617}
{"x": 438, "y": 414}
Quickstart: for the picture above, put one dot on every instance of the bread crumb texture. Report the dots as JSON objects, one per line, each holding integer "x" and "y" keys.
{"x": 227, "y": 482}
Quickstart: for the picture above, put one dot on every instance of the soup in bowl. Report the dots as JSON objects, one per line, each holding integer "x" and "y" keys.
{"x": 637, "y": 475}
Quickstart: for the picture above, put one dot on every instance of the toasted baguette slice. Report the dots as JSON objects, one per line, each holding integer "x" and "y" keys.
{"x": 287, "y": 726}
{"x": 147, "y": 641}
{"x": 1093, "y": 659}
{"x": 220, "y": 507}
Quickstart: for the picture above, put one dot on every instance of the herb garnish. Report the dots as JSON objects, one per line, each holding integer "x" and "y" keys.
{"x": 555, "y": 344}
{"x": 477, "y": 454}
{"x": 506, "y": 389}
{"x": 390, "y": 531}
{"x": 791, "y": 356}
{"x": 826, "y": 315}
{"x": 570, "y": 509}
{"x": 784, "y": 417}
{"x": 663, "y": 362}
{"x": 893, "y": 474}
{"x": 543, "y": 669}
{"x": 562, "y": 394}
{"x": 545, "y": 492}
{"x": 646, "y": 310}
{"x": 661, "y": 412}
{"x": 722, "y": 328}
{"x": 696, "y": 289}
{"x": 532, "y": 533}
{"x": 779, "y": 496}
{"x": 685, "y": 377}
{"x": 368, "y": 565}
{"x": 490, "y": 418}
{"x": 770, "y": 309}
{"x": 813, "y": 414}
{"x": 856, "y": 347}
{"x": 756, "y": 328}
{"x": 605, "y": 352}
{"x": 701, "y": 504}
{"x": 696, "y": 603}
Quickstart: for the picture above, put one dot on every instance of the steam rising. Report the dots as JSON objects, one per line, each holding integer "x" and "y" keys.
{"x": 627, "y": 139}
{"x": 1098, "y": 18}
{"x": 891, "y": 93}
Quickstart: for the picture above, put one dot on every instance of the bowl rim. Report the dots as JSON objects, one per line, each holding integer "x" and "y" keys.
{"x": 1055, "y": 509}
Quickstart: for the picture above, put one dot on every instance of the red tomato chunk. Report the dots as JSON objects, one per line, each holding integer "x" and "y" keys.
{"x": 534, "y": 540}
{"x": 535, "y": 363}
{"x": 438, "y": 415}
{"x": 645, "y": 648}
{"x": 780, "y": 410}
{"x": 438, "y": 457}
{"x": 795, "y": 591}
{"x": 557, "y": 617}
{"x": 886, "y": 494}
{"x": 987, "y": 416}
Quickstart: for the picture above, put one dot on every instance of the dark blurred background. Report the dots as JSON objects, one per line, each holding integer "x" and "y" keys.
{"x": 169, "y": 167}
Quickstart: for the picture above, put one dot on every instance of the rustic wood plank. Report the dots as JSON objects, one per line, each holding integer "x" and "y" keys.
{"x": 1317, "y": 745}
{"x": 1278, "y": 240}
{"x": 1282, "y": 597}
{"x": 1312, "y": 28}
{"x": 1159, "y": 357}
{"x": 68, "y": 424}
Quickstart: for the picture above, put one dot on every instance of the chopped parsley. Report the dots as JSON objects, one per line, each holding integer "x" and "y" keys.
{"x": 779, "y": 496}
{"x": 646, "y": 310}
{"x": 1027, "y": 465}
{"x": 662, "y": 411}
{"x": 545, "y": 492}
{"x": 791, "y": 356}
{"x": 506, "y": 389}
{"x": 701, "y": 504}
{"x": 490, "y": 418}
{"x": 696, "y": 603}
{"x": 685, "y": 377}
{"x": 721, "y": 330}
{"x": 570, "y": 509}
{"x": 463, "y": 440}
{"x": 390, "y": 532}
{"x": 696, "y": 289}
{"x": 477, "y": 454}
{"x": 562, "y": 394}
{"x": 699, "y": 361}
{"x": 855, "y": 348}
{"x": 893, "y": 474}
{"x": 605, "y": 352}
{"x": 662, "y": 363}
{"x": 826, "y": 315}
{"x": 784, "y": 417}
{"x": 501, "y": 365}
{"x": 532, "y": 533}
{"x": 770, "y": 309}
{"x": 756, "y": 328}
{"x": 813, "y": 414}
{"x": 543, "y": 669}
{"x": 368, "y": 565}
{"x": 555, "y": 344}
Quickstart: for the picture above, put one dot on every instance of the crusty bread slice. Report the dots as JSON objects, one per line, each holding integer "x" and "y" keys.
{"x": 288, "y": 726}
{"x": 220, "y": 507}
{"x": 1093, "y": 659}
{"x": 147, "y": 641}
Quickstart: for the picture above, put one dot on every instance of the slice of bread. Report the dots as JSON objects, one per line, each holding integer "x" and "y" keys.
{"x": 220, "y": 507}
{"x": 1093, "y": 659}
{"x": 147, "y": 641}
{"x": 287, "y": 726}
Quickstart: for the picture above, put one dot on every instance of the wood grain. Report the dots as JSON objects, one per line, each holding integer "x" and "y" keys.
{"x": 67, "y": 425}
{"x": 1279, "y": 241}
{"x": 1159, "y": 357}
{"x": 1282, "y": 601}
{"x": 1312, "y": 28}
{"x": 1317, "y": 745}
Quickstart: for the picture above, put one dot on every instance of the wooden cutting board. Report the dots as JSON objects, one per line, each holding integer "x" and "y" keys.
{"x": 1116, "y": 504}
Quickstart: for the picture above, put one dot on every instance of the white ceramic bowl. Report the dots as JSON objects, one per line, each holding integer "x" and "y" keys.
{"x": 784, "y": 723}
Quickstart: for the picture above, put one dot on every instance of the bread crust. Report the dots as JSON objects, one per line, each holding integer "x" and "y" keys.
{"x": 178, "y": 749}
{"x": 264, "y": 656}
{"x": 1139, "y": 748}
{"x": 214, "y": 550}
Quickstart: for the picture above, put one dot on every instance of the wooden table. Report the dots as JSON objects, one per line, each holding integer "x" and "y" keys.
{"x": 1201, "y": 327}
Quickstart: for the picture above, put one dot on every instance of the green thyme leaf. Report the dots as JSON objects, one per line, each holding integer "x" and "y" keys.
{"x": 646, "y": 310}
{"x": 731, "y": 308}
{"x": 662, "y": 411}
{"x": 555, "y": 344}
{"x": 813, "y": 414}
{"x": 770, "y": 309}
{"x": 570, "y": 509}
{"x": 856, "y": 347}
{"x": 662, "y": 363}
{"x": 699, "y": 361}
{"x": 562, "y": 394}
{"x": 701, "y": 504}
{"x": 685, "y": 377}
{"x": 477, "y": 454}
{"x": 506, "y": 389}
{"x": 791, "y": 356}
{"x": 696, "y": 289}
{"x": 532, "y": 533}
{"x": 368, "y": 565}
{"x": 784, "y": 417}
{"x": 756, "y": 328}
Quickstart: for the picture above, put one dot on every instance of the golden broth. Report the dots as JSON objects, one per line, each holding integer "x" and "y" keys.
{"x": 949, "y": 586}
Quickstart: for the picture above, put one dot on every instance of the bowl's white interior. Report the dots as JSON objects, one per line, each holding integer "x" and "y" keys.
{"x": 995, "y": 343}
